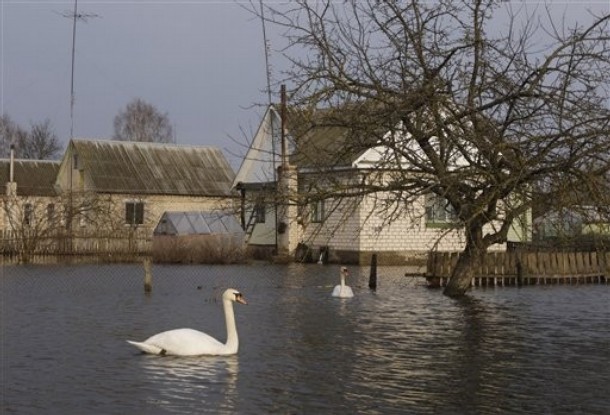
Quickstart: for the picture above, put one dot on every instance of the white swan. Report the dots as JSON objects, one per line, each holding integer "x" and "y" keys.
{"x": 342, "y": 290}
{"x": 189, "y": 342}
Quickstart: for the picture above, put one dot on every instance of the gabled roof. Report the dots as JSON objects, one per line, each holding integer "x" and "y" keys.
{"x": 152, "y": 168}
{"x": 318, "y": 140}
{"x": 33, "y": 177}
{"x": 327, "y": 139}
{"x": 263, "y": 153}
{"x": 312, "y": 141}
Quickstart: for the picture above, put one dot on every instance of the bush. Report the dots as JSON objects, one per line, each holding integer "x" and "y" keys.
{"x": 199, "y": 249}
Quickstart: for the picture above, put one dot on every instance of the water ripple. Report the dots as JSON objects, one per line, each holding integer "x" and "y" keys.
{"x": 401, "y": 349}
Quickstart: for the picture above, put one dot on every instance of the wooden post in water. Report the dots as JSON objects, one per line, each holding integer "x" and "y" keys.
{"x": 519, "y": 273}
{"x": 373, "y": 273}
{"x": 147, "y": 275}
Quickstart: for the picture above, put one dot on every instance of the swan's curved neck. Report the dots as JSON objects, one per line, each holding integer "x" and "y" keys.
{"x": 343, "y": 280}
{"x": 232, "y": 343}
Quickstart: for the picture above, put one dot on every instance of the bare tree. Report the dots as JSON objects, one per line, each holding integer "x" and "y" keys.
{"x": 41, "y": 143}
{"x": 141, "y": 121}
{"x": 480, "y": 118}
{"x": 10, "y": 134}
{"x": 39, "y": 223}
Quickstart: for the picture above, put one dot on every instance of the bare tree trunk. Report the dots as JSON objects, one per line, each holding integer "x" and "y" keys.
{"x": 461, "y": 276}
{"x": 467, "y": 264}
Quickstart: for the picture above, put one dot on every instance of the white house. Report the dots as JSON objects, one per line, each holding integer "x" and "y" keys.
{"x": 275, "y": 173}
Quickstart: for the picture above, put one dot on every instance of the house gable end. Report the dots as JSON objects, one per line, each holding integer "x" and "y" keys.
{"x": 262, "y": 155}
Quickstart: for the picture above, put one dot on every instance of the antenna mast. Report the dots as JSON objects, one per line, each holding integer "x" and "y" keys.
{"x": 273, "y": 153}
{"x": 75, "y": 16}
{"x": 267, "y": 66}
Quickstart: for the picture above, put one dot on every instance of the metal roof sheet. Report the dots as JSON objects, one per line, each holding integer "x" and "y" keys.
{"x": 151, "y": 168}
{"x": 33, "y": 177}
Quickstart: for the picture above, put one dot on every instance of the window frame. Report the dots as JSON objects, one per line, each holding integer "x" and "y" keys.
{"x": 28, "y": 214}
{"x": 317, "y": 211}
{"x": 439, "y": 213}
{"x": 260, "y": 212}
{"x": 51, "y": 213}
{"x": 134, "y": 212}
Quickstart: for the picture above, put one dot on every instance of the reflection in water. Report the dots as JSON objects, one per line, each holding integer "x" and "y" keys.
{"x": 187, "y": 384}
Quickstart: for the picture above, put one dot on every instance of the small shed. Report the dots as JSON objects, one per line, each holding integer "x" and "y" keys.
{"x": 198, "y": 223}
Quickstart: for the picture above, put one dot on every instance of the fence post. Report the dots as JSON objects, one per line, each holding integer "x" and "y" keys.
{"x": 147, "y": 275}
{"x": 373, "y": 273}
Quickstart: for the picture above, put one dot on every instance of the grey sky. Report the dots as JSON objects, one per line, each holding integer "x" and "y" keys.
{"x": 200, "y": 61}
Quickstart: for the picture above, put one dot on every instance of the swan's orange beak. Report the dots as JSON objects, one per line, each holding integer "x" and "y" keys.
{"x": 240, "y": 299}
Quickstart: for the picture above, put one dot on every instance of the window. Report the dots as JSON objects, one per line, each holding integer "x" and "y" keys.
{"x": 28, "y": 214}
{"x": 134, "y": 213}
{"x": 50, "y": 213}
{"x": 439, "y": 213}
{"x": 317, "y": 211}
{"x": 259, "y": 212}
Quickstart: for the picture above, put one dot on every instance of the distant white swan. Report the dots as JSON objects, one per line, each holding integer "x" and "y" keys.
{"x": 189, "y": 342}
{"x": 342, "y": 290}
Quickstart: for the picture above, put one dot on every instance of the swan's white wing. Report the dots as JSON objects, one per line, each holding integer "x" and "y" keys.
{"x": 182, "y": 342}
{"x": 336, "y": 291}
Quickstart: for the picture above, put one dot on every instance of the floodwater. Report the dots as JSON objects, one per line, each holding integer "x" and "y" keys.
{"x": 403, "y": 349}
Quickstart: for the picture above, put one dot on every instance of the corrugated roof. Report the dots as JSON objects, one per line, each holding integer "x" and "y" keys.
{"x": 33, "y": 177}
{"x": 151, "y": 168}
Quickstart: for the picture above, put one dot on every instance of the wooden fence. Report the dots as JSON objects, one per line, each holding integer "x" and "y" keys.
{"x": 78, "y": 246}
{"x": 516, "y": 268}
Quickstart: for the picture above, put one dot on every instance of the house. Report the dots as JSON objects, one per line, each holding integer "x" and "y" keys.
{"x": 572, "y": 223}
{"x": 30, "y": 207}
{"x": 135, "y": 183}
{"x": 30, "y": 197}
{"x": 275, "y": 167}
{"x": 574, "y": 215}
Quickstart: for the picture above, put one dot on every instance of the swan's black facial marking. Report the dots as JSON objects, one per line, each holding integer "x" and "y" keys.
{"x": 239, "y": 298}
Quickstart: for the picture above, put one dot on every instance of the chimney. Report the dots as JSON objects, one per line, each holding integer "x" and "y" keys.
{"x": 11, "y": 175}
{"x": 11, "y": 186}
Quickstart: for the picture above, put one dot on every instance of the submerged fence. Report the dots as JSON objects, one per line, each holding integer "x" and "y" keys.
{"x": 515, "y": 268}
{"x": 78, "y": 245}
